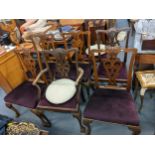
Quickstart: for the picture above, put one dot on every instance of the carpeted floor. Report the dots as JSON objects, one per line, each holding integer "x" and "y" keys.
{"x": 65, "y": 124}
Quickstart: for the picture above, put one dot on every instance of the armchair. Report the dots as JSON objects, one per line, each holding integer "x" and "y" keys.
{"x": 58, "y": 95}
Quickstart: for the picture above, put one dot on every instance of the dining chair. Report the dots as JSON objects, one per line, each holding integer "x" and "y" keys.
{"x": 115, "y": 38}
{"x": 82, "y": 41}
{"x": 63, "y": 92}
{"x": 111, "y": 100}
{"x": 18, "y": 81}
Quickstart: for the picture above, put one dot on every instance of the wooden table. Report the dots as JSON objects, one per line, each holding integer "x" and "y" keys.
{"x": 72, "y": 22}
{"x": 76, "y": 23}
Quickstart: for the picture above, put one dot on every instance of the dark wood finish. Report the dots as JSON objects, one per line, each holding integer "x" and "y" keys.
{"x": 112, "y": 66}
{"x": 94, "y": 24}
{"x": 98, "y": 24}
{"x": 79, "y": 42}
{"x": 148, "y": 45}
{"x": 62, "y": 70}
{"x": 111, "y": 36}
{"x": 12, "y": 74}
{"x": 145, "y": 58}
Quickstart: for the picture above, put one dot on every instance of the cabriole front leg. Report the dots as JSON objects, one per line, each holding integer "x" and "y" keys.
{"x": 10, "y": 106}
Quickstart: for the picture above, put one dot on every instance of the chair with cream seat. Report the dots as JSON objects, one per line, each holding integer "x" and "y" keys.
{"x": 114, "y": 37}
{"x": 112, "y": 101}
{"x": 63, "y": 93}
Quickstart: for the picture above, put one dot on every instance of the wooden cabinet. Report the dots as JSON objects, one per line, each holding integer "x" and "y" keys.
{"x": 11, "y": 71}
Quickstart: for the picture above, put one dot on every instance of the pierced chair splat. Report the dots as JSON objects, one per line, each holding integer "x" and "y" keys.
{"x": 63, "y": 93}
{"x": 21, "y": 90}
{"x": 111, "y": 100}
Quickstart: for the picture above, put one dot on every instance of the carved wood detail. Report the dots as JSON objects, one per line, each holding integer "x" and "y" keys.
{"x": 112, "y": 66}
{"x": 111, "y": 35}
{"x": 28, "y": 61}
{"x": 62, "y": 66}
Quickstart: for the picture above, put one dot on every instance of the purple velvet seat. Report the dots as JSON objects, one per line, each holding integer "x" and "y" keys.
{"x": 122, "y": 74}
{"x": 24, "y": 95}
{"x": 115, "y": 106}
{"x": 70, "y": 105}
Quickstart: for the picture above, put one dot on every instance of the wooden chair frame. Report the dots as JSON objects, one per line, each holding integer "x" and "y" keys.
{"x": 87, "y": 121}
{"x": 8, "y": 87}
{"x": 75, "y": 112}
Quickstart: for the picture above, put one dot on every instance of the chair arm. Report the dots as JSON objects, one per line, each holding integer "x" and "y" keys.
{"x": 80, "y": 74}
{"x": 39, "y": 76}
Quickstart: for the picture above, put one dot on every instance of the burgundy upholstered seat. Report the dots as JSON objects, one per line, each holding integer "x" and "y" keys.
{"x": 115, "y": 106}
{"x": 24, "y": 95}
{"x": 70, "y": 105}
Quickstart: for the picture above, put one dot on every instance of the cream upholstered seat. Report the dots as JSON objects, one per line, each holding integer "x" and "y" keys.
{"x": 60, "y": 91}
{"x": 121, "y": 36}
{"x": 93, "y": 47}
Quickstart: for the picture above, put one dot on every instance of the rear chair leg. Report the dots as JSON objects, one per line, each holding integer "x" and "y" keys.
{"x": 136, "y": 89}
{"x": 10, "y": 106}
{"x": 87, "y": 126}
{"x": 42, "y": 117}
{"x": 82, "y": 94}
{"x": 135, "y": 129}
{"x": 78, "y": 116}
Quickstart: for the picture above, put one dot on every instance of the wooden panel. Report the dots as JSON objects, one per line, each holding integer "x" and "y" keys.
{"x": 145, "y": 58}
{"x": 148, "y": 45}
{"x": 11, "y": 71}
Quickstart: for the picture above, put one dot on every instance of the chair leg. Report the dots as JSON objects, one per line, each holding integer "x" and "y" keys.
{"x": 87, "y": 122}
{"x": 42, "y": 117}
{"x": 151, "y": 94}
{"x": 141, "y": 103}
{"x": 136, "y": 89}
{"x": 78, "y": 116}
{"x": 142, "y": 92}
{"x": 10, "y": 106}
{"x": 136, "y": 130}
{"x": 82, "y": 95}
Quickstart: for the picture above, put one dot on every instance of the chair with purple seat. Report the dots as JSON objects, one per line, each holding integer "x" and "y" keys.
{"x": 63, "y": 93}
{"x": 22, "y": 90}
{"x": 111, "y": 100}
